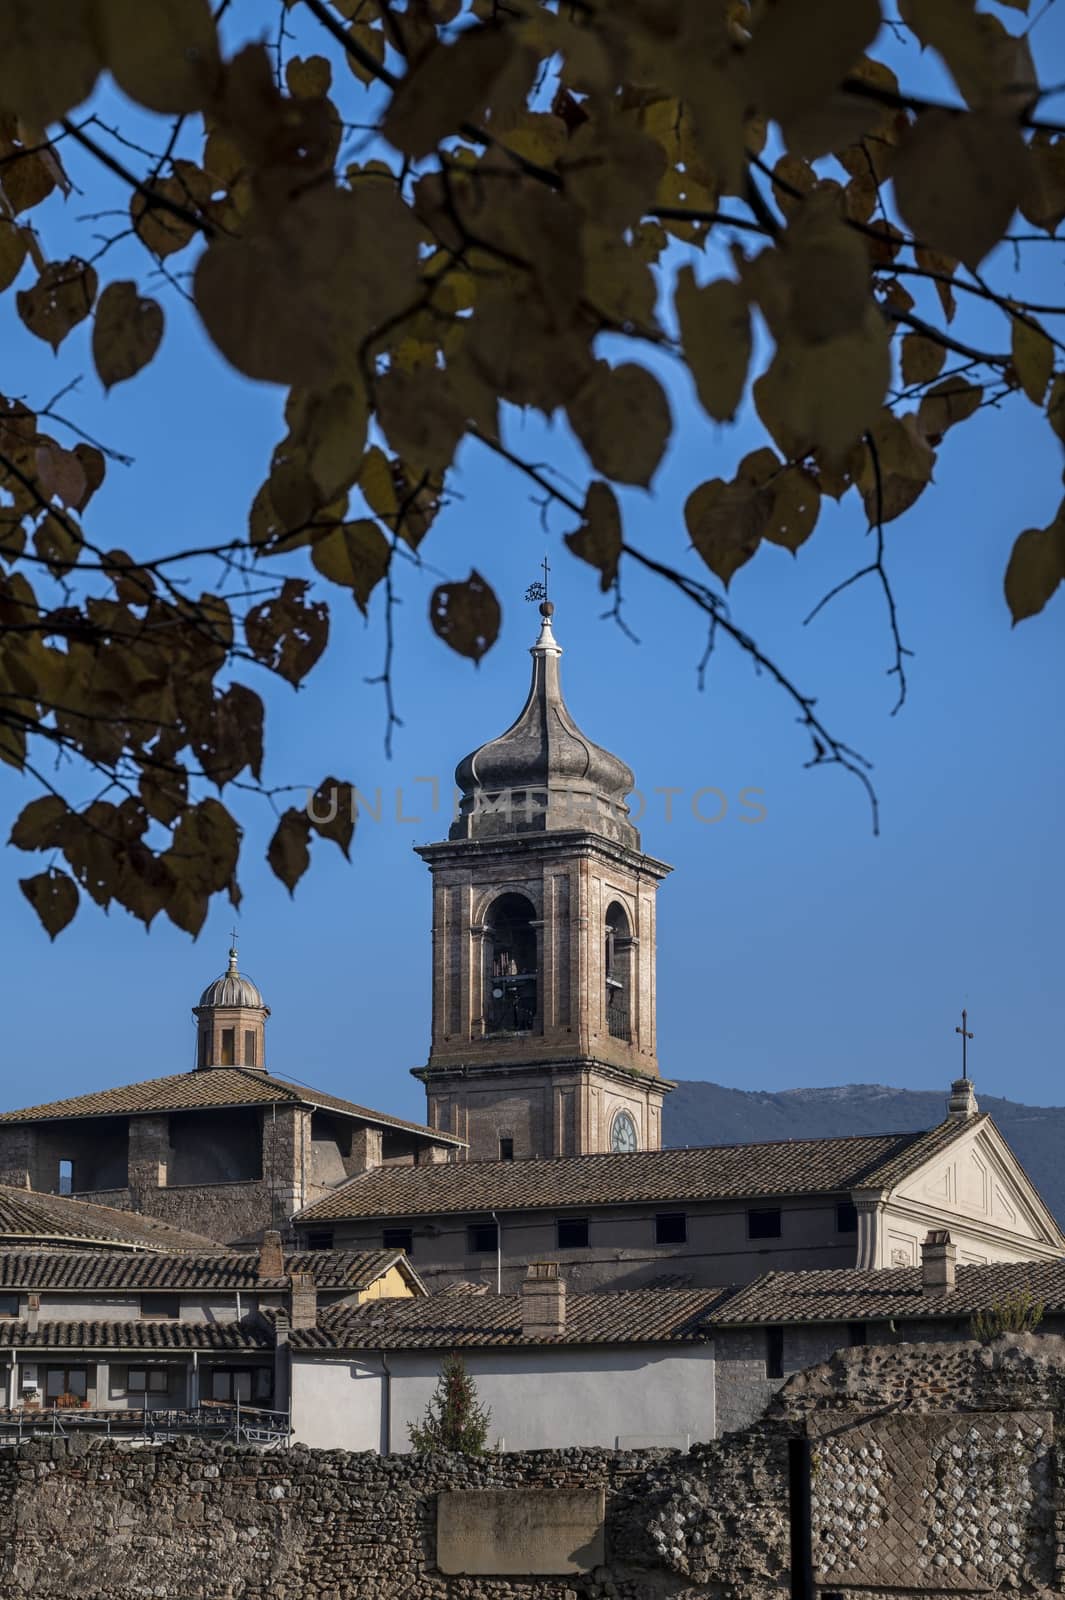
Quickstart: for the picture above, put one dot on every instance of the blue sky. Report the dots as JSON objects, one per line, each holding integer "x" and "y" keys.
{"x": 799, "y": 950}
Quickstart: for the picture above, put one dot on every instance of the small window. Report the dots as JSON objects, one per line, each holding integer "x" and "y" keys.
{"x": 573, "y": 1233}
{"x": 857, "y": 1333}
{"x": 160, "y": 1305}
{"x": 231, "y": 1383}
{"x": 249, "y": 1047}
{"x": 846, "y": 1217}
{"x": 205, "y": 1048}
{"x": 671, "y": 1227}
{"x": 62, "y": 1381}
{"x": 229, "y": 1043}
{"x": 320, "y": 1241}
{"x": 66, "y": 1177}
{"x": 8, "y": 1305}
{"x": 764, "y": 1224}
{"x": 398, "y": 1239}
{"x": 774, "y": 1352}
{"x": 506, "y": 1149}
{"x": 484, "y": 1237}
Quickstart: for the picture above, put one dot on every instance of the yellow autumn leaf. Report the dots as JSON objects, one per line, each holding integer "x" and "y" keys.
{"x": 715, "y": 328}
{"x": 824, "y": 396}
{"x": 949, "y": 402}
{"x": 622, "y": 418}
{"x": 922, "y": 359}
{"x": 329, "y": 427}
{"x": 1036, "y": 568}
{"x": 795, "y": 504}
{"x": 12, "y": 252}
{"x": 127, "y": 330}
{"x": 1033, "y": 358}
{"x": 308, "y": 77}
{"x": 355, "y": 555}
{"x": 1043, "y": 200}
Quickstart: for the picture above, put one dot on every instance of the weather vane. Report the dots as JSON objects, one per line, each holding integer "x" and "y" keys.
{"x": 538, "y": 591}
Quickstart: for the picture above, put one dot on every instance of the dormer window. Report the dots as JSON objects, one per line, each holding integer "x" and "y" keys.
{"x": 510, "y": 975}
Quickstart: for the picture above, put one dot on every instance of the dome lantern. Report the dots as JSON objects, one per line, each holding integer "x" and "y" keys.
{"x": 231, "y": 1021}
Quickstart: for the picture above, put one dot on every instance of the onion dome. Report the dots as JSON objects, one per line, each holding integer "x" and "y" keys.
{"x": 544, "y": 774}
{"x": 233, "y": 988}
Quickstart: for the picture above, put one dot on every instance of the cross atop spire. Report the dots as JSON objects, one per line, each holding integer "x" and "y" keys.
{"x": 538, "y": 591}
{"x": 965, "y": 1037}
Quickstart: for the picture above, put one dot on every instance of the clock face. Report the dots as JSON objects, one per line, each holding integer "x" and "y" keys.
{"x": 623, "y": 1134}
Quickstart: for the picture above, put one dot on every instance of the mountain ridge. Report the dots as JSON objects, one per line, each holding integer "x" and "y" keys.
{"x": 710, "y": 1113}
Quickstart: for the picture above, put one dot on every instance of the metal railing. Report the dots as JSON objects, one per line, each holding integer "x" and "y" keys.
{"x": 212, "y": 1419}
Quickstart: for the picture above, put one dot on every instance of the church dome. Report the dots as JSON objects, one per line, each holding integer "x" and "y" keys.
{"x": 233, "y": 988}
{"x": 543, "y": 773}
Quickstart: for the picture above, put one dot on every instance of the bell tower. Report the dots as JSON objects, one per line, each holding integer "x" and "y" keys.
{"x": 231, "y": 1021}
{"x": 543, "y": 1038}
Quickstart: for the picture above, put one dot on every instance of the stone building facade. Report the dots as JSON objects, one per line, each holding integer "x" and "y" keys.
{"x": 227, "y": 1150}
{"x": 543, "y": 1002}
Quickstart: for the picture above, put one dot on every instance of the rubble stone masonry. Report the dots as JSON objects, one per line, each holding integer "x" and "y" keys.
{"x": 936, "y": 1474}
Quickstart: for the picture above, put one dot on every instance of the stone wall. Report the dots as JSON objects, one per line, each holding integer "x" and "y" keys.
{"x": 935, "y": 1474}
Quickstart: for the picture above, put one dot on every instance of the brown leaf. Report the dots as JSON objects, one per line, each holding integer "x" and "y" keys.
{"x": 949, "y": 402}
{"x": 715, "y": 327}
{"x": 54, "y": 897}
{"x": 922, "y": 359}
{"x": 1056, "y": 406}
{"x": 466, "y": 616}
{"x": 622, "y": 418}
{"x": 823, "y": 396}
{"x": 160, "y": 229}
{"x": 1036, "y": 568}
{"x": 451, "y": 85}
{"x": 12, "y": 252}
{"x": 1033, "y": 358}
{"x": 170, "y": 62}
{"x": 331, "y": 811}
{"x": 61, "y": 298}
{"x": 725, "y": 523}
{"x": 60, "y": 474}
{"x": 289, "y": 853}
{"x": 49, "y": 59}
{"x": 959, "y": 178}
{"x": 40, "y": 825}
{"x": 421, "y": 417}
{"x": 330, "y": 428}
{"x": 1043, "y": 201}
{"x": 27, "y": 178}
{"x": 126, "y": 333}
{"x": 794, "y": 508}
{"x": 288, "y": 634}
{"x": 801, "y": 50}
{"x": 308, "y": 77}
{"x": 598, "y": 539}
{"x": 355, "y": 555}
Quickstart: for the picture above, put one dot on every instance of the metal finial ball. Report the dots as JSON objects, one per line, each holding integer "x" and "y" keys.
{"x": 547, "y": 608}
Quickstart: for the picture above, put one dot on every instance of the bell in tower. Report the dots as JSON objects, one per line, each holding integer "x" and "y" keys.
{"x": 543, "y": 1038}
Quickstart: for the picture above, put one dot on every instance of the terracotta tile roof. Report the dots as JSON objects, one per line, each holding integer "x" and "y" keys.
{"x": 134, "y": 1336}
{"x": 53, "y": 1218}
{"x": 210, "y": 1089}
{"x": 785, "y": 1167}
{"x": 853, "y": 1295}
{"x": 444, "y": 1321}
{"x": 91, "y": 1270}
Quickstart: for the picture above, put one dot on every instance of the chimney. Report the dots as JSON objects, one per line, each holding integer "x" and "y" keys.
{"x": 962, "y": 1103}
{"x": 282, "y": 1327}
{"x": 33, "y": 1310}
{"x": 543, "y": 1302}
{"x": 303, "y": 1300}
{"x": 271, "y": 1255}
{"x": 939, "y": 1264}
{"x": 366, "y": 1149}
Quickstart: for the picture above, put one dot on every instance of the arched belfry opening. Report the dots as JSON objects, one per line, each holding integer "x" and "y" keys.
{"x": 617, "y": 971}
{"x": 511, "y": 964}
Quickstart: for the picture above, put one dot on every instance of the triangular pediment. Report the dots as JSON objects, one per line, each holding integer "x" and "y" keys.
{"x": 980, "y": 1181}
